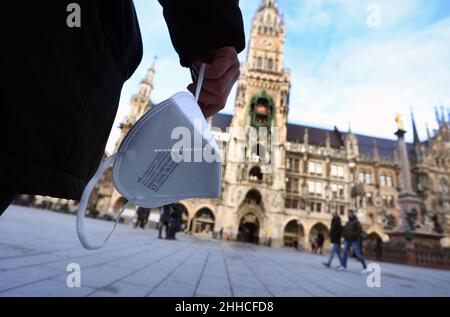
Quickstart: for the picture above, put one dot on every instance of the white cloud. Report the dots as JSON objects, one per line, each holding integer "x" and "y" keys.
{"x": 368, "y": 82}
{"x": 342, "y": 71}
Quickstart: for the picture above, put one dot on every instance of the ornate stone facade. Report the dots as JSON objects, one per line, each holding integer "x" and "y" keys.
{"x": 283, "y": 191}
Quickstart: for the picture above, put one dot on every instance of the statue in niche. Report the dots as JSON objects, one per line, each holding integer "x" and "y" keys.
{"x": 389, "y": 221}
{"x": 358, "y": 194}
{"x": 411, "y": 219}
{"x": 437, "y": 227}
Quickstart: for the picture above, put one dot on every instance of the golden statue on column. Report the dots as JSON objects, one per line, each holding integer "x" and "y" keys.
{"x": 399, "y": 121}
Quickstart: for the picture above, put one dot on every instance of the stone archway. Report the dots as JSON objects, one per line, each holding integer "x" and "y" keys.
{"x": 203, "y": 223}
{"x": 294, "y": 235}
{"x": 253, "y": 197}
{"x": 249, "y": 228}
{"x": 373, "y": 246}
{"x": 314, "y": 235}
{"x": 250, "y": 217}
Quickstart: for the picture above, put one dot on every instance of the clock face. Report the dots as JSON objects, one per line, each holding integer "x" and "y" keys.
{"x": 266, "y": 44}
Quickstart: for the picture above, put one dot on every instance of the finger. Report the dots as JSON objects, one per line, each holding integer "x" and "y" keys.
{"x": 207, "y": 109}
{"x": 211, "y": 104}
{"x": 224, "y": 58}
{"x": 219, "y": 86}
{"x": 211, "y": 98}
{"x": 211, "y": 109}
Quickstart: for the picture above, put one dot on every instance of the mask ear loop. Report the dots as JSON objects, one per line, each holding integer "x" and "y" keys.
{"x": 201, "y": 77}
{"x": 85, "y": 199}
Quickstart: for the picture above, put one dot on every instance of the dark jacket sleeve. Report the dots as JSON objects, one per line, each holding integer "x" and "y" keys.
{"x": 196, "y": 26}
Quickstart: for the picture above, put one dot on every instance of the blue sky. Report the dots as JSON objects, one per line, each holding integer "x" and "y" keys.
{"x": 343, "y": 71}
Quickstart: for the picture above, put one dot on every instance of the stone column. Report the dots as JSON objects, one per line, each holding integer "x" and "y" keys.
{"x": 405, "y": 170}
{"x": 409, "y": 201}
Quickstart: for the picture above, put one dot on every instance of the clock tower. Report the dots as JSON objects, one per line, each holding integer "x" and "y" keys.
{"x": 253, "y": 193}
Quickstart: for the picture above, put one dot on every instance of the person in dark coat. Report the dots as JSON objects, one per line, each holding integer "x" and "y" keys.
{"x": 142, "y": 217}
{"x": 352, "y": 239}
{"x": 335, "y": 236}
{"x": 62, "y": 83}
{"x": 175, "y": 221}
{"x": 320, "y": 241}
{"x": 164, "y": 221}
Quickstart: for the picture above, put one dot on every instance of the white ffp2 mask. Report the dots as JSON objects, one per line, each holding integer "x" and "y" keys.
{"x": 167, "y": 156}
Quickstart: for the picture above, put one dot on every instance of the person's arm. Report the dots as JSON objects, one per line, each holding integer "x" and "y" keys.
{"x": 198, "y": 26}
{"x": 211, "y": 32}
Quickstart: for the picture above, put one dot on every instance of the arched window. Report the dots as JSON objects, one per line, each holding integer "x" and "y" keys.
{"x": 259, "y": 62}
{"x": 389, "y": 180}
{"x": 365, "y": 176}
{"x": 362, "y": 174}
{"x": 383, "y": 180}
{"x": 261, "y": 110}
{"x": 255, "y": 174}
{"x": 368, "y": 177}
{"x": 270, "y": 64}
{"x": 253, "y": 197}
{"x": 203, "y": 222}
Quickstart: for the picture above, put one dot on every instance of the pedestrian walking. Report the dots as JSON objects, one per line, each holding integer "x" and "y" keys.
{"x": 320, "y": 241}
{"x": 353, "y": 234}
{"x": 142, "y": 217}
{"x": 335, "y": 237}
{"x": 175, "y": 221}
{"x": 164, "y": 219}
{"x": 313, "y": 245}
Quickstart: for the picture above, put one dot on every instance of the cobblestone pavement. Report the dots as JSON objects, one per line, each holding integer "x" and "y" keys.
{"x": 36, "y": 247}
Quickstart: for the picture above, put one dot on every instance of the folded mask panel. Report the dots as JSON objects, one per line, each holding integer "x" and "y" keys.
{"x": 168, "y": 155}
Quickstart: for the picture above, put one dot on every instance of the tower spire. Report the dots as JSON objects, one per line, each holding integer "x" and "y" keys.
{"x": 428, "y": 131}
{"x": 268, "y": 4}
{"x": 146, "y": 86}
{"x": 416, "y": 134}
{"x": 436, "y": 113}
{"x": 443, "y": 119}
{"x": 151, "y": 71}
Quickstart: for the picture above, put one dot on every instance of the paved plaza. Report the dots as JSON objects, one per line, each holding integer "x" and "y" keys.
{"x": 36, "y": 246}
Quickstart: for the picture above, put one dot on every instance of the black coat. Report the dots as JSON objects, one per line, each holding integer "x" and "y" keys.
{"x": 143, "y": 213}
{"x": 165, "y": 214}
{"x": 353, "y": 230}
{"x": 320, "y": 239}
{"x": 177, "y": 212}
{"x": 61, "y": 86}
{"x": 336, "y": 230}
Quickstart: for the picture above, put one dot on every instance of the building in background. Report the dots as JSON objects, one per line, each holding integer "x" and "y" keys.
{"x": 312, "y": 172}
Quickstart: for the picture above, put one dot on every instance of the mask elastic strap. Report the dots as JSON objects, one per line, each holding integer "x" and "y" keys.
{"x": 85, "y": 199}
{"x": 201, "y": 77}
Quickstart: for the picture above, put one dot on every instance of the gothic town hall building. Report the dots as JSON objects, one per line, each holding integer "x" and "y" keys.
{"x": 312, "y": 172}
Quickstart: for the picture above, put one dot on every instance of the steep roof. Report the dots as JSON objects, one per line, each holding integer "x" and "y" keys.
{"x": 317, "y": 136}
